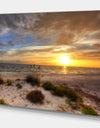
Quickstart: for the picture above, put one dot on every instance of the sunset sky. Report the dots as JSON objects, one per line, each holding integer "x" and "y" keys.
{"x": 49, "y": 38}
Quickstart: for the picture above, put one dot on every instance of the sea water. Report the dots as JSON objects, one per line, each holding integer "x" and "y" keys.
{"x": 45, "y": 69}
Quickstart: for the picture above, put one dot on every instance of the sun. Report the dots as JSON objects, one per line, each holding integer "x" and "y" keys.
{"x": 64, "y": 60}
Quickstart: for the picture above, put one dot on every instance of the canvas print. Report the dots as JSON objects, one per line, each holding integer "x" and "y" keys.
{"x": 51, "y": 61}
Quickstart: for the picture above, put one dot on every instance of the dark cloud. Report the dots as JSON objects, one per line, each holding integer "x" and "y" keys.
{"x": 96, "y": 45}
{"x": 17, "y": 21}
{"x": 90, "y": 55}
{"x": 11, "y": 43}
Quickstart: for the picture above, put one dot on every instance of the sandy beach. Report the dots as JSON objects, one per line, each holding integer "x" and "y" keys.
{"x": 87, "y": 86}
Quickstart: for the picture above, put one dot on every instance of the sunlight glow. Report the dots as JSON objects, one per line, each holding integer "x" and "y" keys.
{"x": 64, "y": 60}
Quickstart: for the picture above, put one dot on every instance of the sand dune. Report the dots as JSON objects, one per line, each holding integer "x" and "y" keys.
{"x": 17, "y": 97}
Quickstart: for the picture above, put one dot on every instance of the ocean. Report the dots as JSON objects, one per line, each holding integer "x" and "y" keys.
{"x": 44, "y": 69}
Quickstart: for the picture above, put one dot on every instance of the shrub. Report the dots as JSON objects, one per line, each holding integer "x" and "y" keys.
{"x": 19, "y": 86}
{"x": 48, "y": 86}
{"x": 73, "y": 95}
{"x": 35, "y": 96}
{"x": 88, "y": 110}
{"x": 33, "y": 80}
{"x": 3, "y": 102}
{"x": 1, "y": 80}
{"x": 80, "y": 99}
{"x": 59, "y": 91}
{"x": 9, "y": 82}
{"x": 68, "y": 101}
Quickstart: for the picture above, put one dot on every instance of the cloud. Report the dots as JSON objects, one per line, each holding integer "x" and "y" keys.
{"x": 96, "y": 45}
{"x": 75, "y": 52}
{"x": 61, "y": 27}
{"x": 2, "y": 53}
{"x": 11, "y": 43}
{"x": 67, "y": 25}
{"x": 25, "y": 52}
{"x": 78, "y": 30}
{"x": 10, "y": 61}
{"x": 17, "y": 21}
{"x": 90, "y": 55}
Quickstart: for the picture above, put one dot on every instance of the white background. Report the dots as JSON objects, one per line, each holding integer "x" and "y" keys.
{"x": 11, "y": 117}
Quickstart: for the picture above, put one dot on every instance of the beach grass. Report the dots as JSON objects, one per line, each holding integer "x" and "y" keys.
{"x": 56, "y": 90}
{"x": 34, "y": 81}
{"x": 3, "y": 102}
{"x": 61, "y": 108}
{"x": 9, "y": 82}
{"x": 1, "y": 80}
{"x": 73, "y": 95}
{"x": 68, "y": 101}
{"x": 63, "y": 91}
{"x": 85, "y": 109}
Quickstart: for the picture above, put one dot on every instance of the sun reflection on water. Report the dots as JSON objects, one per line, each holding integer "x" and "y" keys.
{"x": 65, "y": 69}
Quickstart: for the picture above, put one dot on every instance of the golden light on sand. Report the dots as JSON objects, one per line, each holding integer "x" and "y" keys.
{"x": 64, "y": 60}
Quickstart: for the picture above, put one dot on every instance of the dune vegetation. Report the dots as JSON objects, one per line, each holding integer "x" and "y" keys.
{"x": 37, "y": 95}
